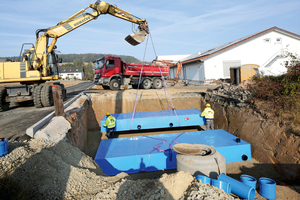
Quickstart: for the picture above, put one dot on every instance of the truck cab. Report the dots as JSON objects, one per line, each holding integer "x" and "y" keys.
{"x": 111, "y": 72}
{"x": 108, "y": 68}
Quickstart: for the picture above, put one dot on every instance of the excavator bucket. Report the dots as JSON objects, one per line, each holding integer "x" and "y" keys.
{"x": 136, "y": 38}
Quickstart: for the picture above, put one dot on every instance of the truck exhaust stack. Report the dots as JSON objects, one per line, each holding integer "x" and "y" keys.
{"x": 136, "y": 38}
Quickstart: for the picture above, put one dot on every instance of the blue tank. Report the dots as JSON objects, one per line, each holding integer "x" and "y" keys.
{"x": 3, "y": 146}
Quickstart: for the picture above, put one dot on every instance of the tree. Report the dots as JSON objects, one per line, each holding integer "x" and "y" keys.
{"x": 77, "y": 62}
{"x": 67, "y": 65}
{"x": 293, "y": 64}
{"x": 89, "y": 72}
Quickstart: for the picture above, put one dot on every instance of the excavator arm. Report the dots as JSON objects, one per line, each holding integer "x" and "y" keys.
{"x": 170, "y": 63}
{"x": 135, "y": 38}
{"x": 178, "y": 72}
{"x": 42, "y": 48}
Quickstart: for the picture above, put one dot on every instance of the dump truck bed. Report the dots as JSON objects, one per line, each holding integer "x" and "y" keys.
{"x": 147, "y": 70}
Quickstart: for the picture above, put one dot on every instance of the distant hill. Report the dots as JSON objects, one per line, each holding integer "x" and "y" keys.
{"x": 89, "y": 57}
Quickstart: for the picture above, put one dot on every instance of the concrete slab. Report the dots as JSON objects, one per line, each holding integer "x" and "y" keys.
{"x": 35, "y": 127}
{"x": 55, "y": 131}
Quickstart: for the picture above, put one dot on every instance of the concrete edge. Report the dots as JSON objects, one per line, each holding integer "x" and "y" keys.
{"x": 34, "y": 128}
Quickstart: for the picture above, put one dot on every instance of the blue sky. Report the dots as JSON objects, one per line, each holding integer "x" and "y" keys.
{"x": 177, "y": 26}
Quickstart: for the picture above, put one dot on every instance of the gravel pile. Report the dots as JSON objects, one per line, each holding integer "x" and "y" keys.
{"x": 61, "y": 171}
{"x": 204, "y": 191}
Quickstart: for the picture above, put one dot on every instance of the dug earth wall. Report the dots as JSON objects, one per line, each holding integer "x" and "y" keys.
{"x": 274, "y": 143}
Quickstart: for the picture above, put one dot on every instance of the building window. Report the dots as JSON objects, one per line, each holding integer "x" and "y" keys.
{"x": 267, "y": 39}
{"x": 278, "y": 40}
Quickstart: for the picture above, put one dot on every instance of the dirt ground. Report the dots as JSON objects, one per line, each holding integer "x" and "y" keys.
{"x": 69, "y": 83}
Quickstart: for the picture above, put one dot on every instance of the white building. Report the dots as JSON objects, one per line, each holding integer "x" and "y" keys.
{"x": 266, "y": 49}
{"x": 71, "y": 72}
{"x": 174, "y": 59}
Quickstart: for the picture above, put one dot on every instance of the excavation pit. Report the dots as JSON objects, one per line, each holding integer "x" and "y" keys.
{"x": 86, "y": 133}
{"x": 184, "y": 117}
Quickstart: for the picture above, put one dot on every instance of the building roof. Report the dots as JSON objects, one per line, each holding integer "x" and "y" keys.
{"x": 173, "y": 58}
{"x": 70, "y": 69}
{"x": 210, "y": 52}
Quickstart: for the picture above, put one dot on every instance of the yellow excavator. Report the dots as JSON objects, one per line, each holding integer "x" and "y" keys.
{"x": 39, "y": 63}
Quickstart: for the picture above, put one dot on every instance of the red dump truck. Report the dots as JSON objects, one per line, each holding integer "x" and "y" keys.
{"x": 111, "y": 72}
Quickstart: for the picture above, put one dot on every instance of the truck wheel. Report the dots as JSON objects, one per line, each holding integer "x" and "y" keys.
{"x": 147, "y": 84}
{"x": 37, "y": 96}
{"x": 114, "y": 85}
{"x": 157, "y": 83}
{"x": 3, "y": 104}
{"x": 47, "y": 96}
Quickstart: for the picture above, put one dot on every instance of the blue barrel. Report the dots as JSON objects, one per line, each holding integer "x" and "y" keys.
{"x": 222, "y": 185}
{"x": 204, "y": 179}
{"x": 267, "y": 188}
{"x": 238, "y": 188}
{"x": 3, "y": 146}
{"x": 248, "y": 180}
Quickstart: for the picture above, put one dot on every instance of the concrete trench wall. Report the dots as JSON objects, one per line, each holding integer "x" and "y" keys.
{"x": 86, "y": 113}
{"x": 121, "y": 102}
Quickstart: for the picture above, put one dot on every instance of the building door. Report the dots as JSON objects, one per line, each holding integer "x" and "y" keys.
{"x": 227, "y": 64}
{"x": 70, "y": 76}
{"x": 194, "y": 72}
